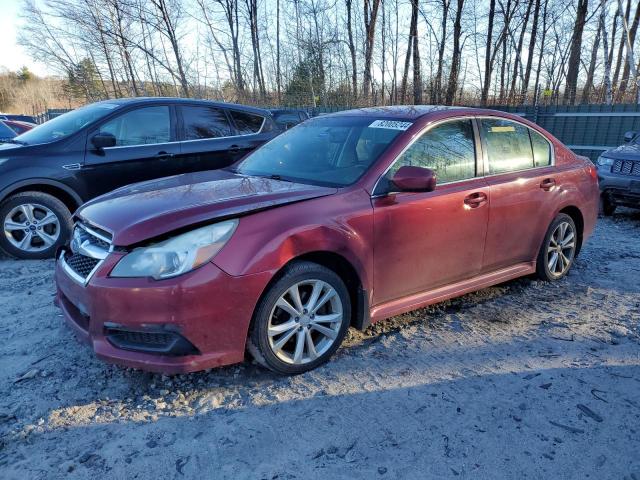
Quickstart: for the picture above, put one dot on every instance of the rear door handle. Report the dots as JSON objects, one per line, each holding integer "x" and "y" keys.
{"x": 164, "y": 155}
{"x": 475, "y": 200}
{"x": 234, "y": 148}
{"x": 547, "y": 184}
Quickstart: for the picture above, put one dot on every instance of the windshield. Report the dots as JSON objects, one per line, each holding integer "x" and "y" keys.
{"x": 66, "y": 124}
{"x": 5, "y": 132}
{"x": 333, "y": 151}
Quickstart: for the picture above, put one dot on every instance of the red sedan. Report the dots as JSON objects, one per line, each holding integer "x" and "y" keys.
{"x": 18, "y": 126}
{"x": 341, "y": 221}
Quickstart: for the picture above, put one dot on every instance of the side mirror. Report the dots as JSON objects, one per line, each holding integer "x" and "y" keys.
{"x": 103, "y": 140}
{"x": 414, "y": 179}
{"x": 630, "y": 135}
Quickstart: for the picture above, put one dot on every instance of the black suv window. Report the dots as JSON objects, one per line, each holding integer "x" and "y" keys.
{"x": 448, "y": 149}
{"x": 507, "y": 144}
{"x": 205, "y": 122}
{"x": 5, "y": 132}
{"x": 143, "y": 126}
{"x": 247, "y": 123}
{"x": 290, "y": 118}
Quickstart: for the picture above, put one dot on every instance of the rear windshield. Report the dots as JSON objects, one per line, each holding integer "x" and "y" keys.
{"x": 334, "y": 151}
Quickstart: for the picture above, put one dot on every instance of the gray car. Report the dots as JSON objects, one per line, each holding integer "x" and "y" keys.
{"x": 619, "y": 175}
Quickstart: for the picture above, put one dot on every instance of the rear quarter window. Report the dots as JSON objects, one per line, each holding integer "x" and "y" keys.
{"x": 541, "y": 149}
{"x": 247, "y": 123}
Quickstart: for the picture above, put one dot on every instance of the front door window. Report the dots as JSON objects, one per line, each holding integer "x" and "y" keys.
{"x": 143, "y": 126}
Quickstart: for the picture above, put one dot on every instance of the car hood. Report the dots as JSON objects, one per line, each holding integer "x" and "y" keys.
{"x": 146, "y": 210}
{"x": 9, "y": 148}
{"x": 630, "y": 151}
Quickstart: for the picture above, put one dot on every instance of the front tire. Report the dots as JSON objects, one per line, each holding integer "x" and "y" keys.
{"x": 301, "y": 319}
{"x": 558, "y": 249}
{"x": 607, "y": 207}
{"x": 34, "y": 224}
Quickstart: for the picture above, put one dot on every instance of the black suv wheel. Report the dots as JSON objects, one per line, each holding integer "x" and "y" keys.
{"x": 607, "y": 207}
{"x": 35, "y": 224}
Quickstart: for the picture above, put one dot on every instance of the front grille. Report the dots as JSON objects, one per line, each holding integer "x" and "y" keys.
{"x": 98, "y": 242}
{"x": 89, "y": 247}
{"x": 80, "y": 264}
{"x": 626, "y": 167}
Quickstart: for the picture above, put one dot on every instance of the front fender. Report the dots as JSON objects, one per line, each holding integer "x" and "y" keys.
{"x": 21, "y": 184}
{"x": 341, "y": 224}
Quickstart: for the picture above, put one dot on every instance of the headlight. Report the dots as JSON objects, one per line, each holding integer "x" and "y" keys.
{"x": 604, "y": 161}
{"x": 177, "y": 255}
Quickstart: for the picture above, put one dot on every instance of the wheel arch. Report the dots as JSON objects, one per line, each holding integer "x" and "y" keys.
{"x": 578, "y": 218}
{"x": 337, "y": 263}
{"x": 56, "y": 189}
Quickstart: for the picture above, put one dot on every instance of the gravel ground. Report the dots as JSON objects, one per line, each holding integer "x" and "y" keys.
{"x": 522, "y": 380}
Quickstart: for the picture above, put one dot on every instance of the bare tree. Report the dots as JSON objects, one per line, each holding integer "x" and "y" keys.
{"x": 352, "y": 50}
{"x": 574, "y": 57}
{"x": 370, "y": 18}
{"x": 258, "y": 75}
{"x": 532, "y": 45}
{"x": 455, "y": 61}
{"x": 488, "y": 60}
{"x": 629, "y": 40}
{"x": 608, "y": 96}
{"x": 621, "y": 43}
{"x": 586, "y": 91}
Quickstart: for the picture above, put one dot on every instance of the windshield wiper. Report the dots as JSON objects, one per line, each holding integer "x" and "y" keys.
{"x": 14, "y": 141}
{"x": 275, "y": 176}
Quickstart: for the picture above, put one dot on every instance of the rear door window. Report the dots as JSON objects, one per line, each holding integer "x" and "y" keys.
{"x": 142, "y": 126}
{"x": 246, "y": 123}
{"x": 205, "y": 122}
{"x": 507, "y": 144}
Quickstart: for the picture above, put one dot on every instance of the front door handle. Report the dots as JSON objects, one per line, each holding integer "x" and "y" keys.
{"x": 234, "y": 148}
{"x": 163, "y": 155}
{"x": 475, "y": 200}
{"x": 547, "y": 184}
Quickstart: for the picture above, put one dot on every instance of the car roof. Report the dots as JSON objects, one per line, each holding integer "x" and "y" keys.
{"x": 413, "y": 112}
{"x": 287, "y": 110}
{"x": 185, "y": 101}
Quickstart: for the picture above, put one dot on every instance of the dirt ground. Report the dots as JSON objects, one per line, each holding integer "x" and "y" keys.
{"x": 522, "y": 380}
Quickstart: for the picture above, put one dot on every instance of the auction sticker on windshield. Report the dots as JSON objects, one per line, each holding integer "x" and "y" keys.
{"x": 390, "y": 124}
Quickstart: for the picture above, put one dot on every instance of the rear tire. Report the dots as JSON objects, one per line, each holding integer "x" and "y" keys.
{"x": 34, "y": 224}
{"x": 301, "y": 320}
{"x": 558, "y": 249}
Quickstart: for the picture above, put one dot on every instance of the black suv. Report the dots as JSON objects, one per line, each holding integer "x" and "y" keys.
{"x": 46, "y": 173}
{"x": 286, "y": 118}
{"x": 619, "y": 175}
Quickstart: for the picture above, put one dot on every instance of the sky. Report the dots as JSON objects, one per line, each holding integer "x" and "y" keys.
{"x": 12, "y": 56}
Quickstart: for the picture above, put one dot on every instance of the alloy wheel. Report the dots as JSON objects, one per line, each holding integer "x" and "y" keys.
{"x": 561, "y": 249}
{"x": 305, "y": 322}
{"x": 31, "y": 227}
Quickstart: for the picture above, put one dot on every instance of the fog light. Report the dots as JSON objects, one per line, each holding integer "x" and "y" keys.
{"x": 157, "y": 340}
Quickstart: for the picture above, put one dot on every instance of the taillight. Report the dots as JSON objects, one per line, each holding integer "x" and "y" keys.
{"x": 593, "y": 172}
